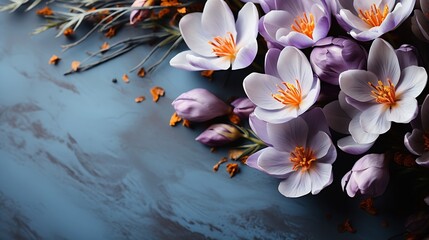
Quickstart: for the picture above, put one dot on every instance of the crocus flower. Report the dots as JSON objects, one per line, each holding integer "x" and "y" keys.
{"x": 286, "y": 90}
{"x": 407, "y": 56}
{"x": 369, "y": 176}
{"x": 296, "y": 23}
{"x": 332, "y": 56}
{"x": 138, "y": 15}
{"x": 243, "y": 107}
{"x": 417, "y": 142}
{"x": 218, "y": 135}
{"x": 420, "y": 21}
{"x": 367, "y": 20}
{"x": 199, "y": 105}
{"x": 384, "y": 93}
{"x": 266, "y": 5}
{"x": 343, "y": 118}
{"x": 217, "y": 42}
{"x": 301, "y": 154}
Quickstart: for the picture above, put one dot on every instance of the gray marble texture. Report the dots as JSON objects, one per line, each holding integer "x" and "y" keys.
{"x": 80, "y": 160}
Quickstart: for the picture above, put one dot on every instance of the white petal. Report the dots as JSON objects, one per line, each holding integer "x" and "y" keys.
{"x": 354, "y": 83}
{"x": 296, "y": 185}
{"x": 365, "y": 5}
{"x": 423, "y": 160}
{"x": 383, "y": 62}
{"x": 348, "y": 145}
{"x": 260, "y": 87}
{"x": 310, "y": 99}
{"x": 330, "y": 156}
{"x": 373, "y": 120}
{"x": 320, "y": 176}
{"x": 293, "y": 65}
{"x": 292, "y": 38}
{"x": 347, "y": 107}
{"x": 285, "y": 137}
{"x": 245, "y": 55}
{"x": 276, "y": 116}
{"x": 413, "y": 81}
{"x": 194, "y": 34}
{"x": 404, "y": 111}
{"x": 204, "y": 63}
{"x": 180, "y": 61}
{"x": 247, "y": 24}
{"x": 217, "y": 19}
{"x": 336, "y": 117}
{"x": 320, "y": 144}
{"x": 353, "y": 20}
{"x": 271, "y": 59}
{"x": 274, "y": 162}
{"x": 358, "y": 134}
{"x": 274, "y": 20}
{"x": 414, "y": 142}
{"x": 425, "y": 116}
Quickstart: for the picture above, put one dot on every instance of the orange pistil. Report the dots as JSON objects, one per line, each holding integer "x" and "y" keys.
{"x": 224, "y": 46}
{"x": 304, "y": 25}
{"x": 384, "y": 94}
{"x": 291, "y": 95}
{"x": 302, "y": 158}
{"x": 374, "y": 17}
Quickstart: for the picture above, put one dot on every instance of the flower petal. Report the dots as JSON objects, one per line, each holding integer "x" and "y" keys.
{"x": 276, "y": 116}
{"x": 404, "y": 111}
{"x": 374, "y": 120}
{"x": 217, "y": 19}
{"x": 413, "y": 81}
{"x": 204, "y": 63}
{"x": 296, "y": 185}
{"x": 348, "y": 145}
{"x": 274, "y": 162}
{"x": 320, "y": 144}
{"x": 181, "y": 61}
{"x": 383, "y": 62}
{"x": 423, "y": 160}
{"x": 321, "y": 175}
{"x": 425, "y": 117}
{"x": 260, "y": 87}
{"x": 330, "y": 156}
{"x": 271, "y": 59}
{"x": 247, "y": 24}
{"x": 285, "y": 137}
{"x": 245, "y": 55}
{"x": 336, "y": 117}
{"x": 414, "y": 142}
{"x": 316, "y": 121}
{"x": 194, "y": 34}
{"x": 359, "y": 134}
{"x": 354, "y": 83}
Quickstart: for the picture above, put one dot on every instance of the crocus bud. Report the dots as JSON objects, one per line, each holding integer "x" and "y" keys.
{"x": 138, "y": 15}
{"x": 369, "y": 176}
{"x": 332, "y": 56}
{"x": 407, "y": 56}
{"x": 243, "y": 107}
{"x": 259, "y": 127}
{"x": 199, "y": 105}
{"x": 218, "y": 135}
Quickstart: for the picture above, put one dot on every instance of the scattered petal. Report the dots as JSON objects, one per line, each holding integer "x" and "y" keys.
{"x": 68, "y": 32}
{"x": 216, "y": 166}
{"x": 186, "y": 123}
{"x": 156, "y": 93}
{"x": 175, "y": 119}
{"x": 105, "y": 46}
{"x": 125, "y": 78}
{"x": 346, "y": 227}
{"x": 110, "y": 33}
{"x": 141, "y": 72}
{"x": 207, "y": 74}
{"x": 75, "y": 66}
{"x": 368, "y": 206}
{"x": 54, "y": 60}
{"x": 46, "y": 11}
{"x": 139, "y": 99}
{"x": 232, "y": 169}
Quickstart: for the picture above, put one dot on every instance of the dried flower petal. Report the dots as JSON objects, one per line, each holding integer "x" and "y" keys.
{"x": 54, "y": 60}
{"x": 186, "y": 123}
{"x": 75, "y": 66}
{"x": 368, "y": 206}
{"x": 125, "y": 78}
{"x": 68, "y": 32}
{"x": 175, "y": 119}
{"x": 346, "y": 227}
{"x": 141, "y": 72}
{"x": 403, "y": 159}
{"x": 232, "y": 169}
{"x": 156, "y": 93}
{"x": 181, "y": 10}
{"x": 234, "y": 154}
{"x": 46, "y": 11}
{"x": 105, "y": 46}
{"x": 110, "y": 33}
{"x": 216, "y": 166}
{"x": 207, "y": 73}
{"x": 139, "y": 99}
{"x": 234, "y": 118}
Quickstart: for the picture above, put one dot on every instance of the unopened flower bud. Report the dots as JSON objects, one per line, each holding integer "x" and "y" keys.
{"x": 332, "y": 56}
{"x": 139, "y": 15}
{"x": 407, "y": 56}
{"x": 218, "y": 135}
{"x": 243, "y": 107}
{"x": 199, "y": 105}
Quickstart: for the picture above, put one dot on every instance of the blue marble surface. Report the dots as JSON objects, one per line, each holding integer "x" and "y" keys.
{"x": 80, "y": 160}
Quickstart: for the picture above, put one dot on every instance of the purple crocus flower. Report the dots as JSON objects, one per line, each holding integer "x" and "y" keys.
{"x": 369, "y": 176}
{"x": 243, "y": 107}
{"x": 385, "y": 93}
{"x": 215, "y": 40}
{"x": 301, "y": 154}
{"x": 367, "y": 20}
{"x": 332, "y": 56}
{"x": 287, "y": 89}
{"x": 420, "y": 21}
{"x": 417, "y": 142}
{"x": 407, "y": 56}
{"x": 266, "y": 5}
{"x": 343, "y": 118}
{"x": 296, "y": 23}
{"x": 199, "y": 105}
{"x": 218, "y": 135}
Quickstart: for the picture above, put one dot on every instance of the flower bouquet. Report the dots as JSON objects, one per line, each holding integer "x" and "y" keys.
{"x": 329, "y": 79}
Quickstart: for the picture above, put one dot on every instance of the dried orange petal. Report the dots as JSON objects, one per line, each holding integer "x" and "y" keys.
{"x": 141, "y": 72}
{"x": 181, "y": 10}
{"x": 175, "y": 119}
{"x": 46, "y": 11}
{"x": 234, "y": 118}
{"x": 68, "y": 32}
{"x": 346, "y": 227}
{"x": 234, "y": 154}
{"x": 105, "y": 46}
{"x": 186, "y": 123}
{"x": 232, "y": 169}
{"x": 139, "y": 99}
{"x": 75, "y": 66}
{"x": 110, "y": 33}
{"x": 125, "y": 78}
{"x": 156, "y": 93}
{"x": 207, "y": 73}
{"x": 216, "y": 166}
{"x": 54, "y": 59}
{"x": 368, "y": 206}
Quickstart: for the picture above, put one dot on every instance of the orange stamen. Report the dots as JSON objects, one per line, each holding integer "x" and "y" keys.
{"x": 304, "y": 25}
{"x": 291, "y": 95}
{"x": 224, "y": 46}
{"x": 384, "y": 94}
{"x": 374, "y": 16}
{"x": 302, "y": 158}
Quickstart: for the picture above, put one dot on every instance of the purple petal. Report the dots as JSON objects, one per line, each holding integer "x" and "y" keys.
{"x": 423, "y": 160}
{"x": 259, "y": 89}
{"x": 274, "y": 162}
{"x": 354, "y": 83}
{"x": 320, "y": 175}
{"x": 296, "y": 185}
{"x": 374, "y": 120}
{"x": 271, "y": 59}
{"x": 285, "y": 137}
{"x": 414, "y": 142}
{"x": 336, "y": 117}
{"x": 320, "y": 144}
{"x": 348, "y": 145}
{"x": 383, "y": 62}
{"x": 245, "y": 55}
